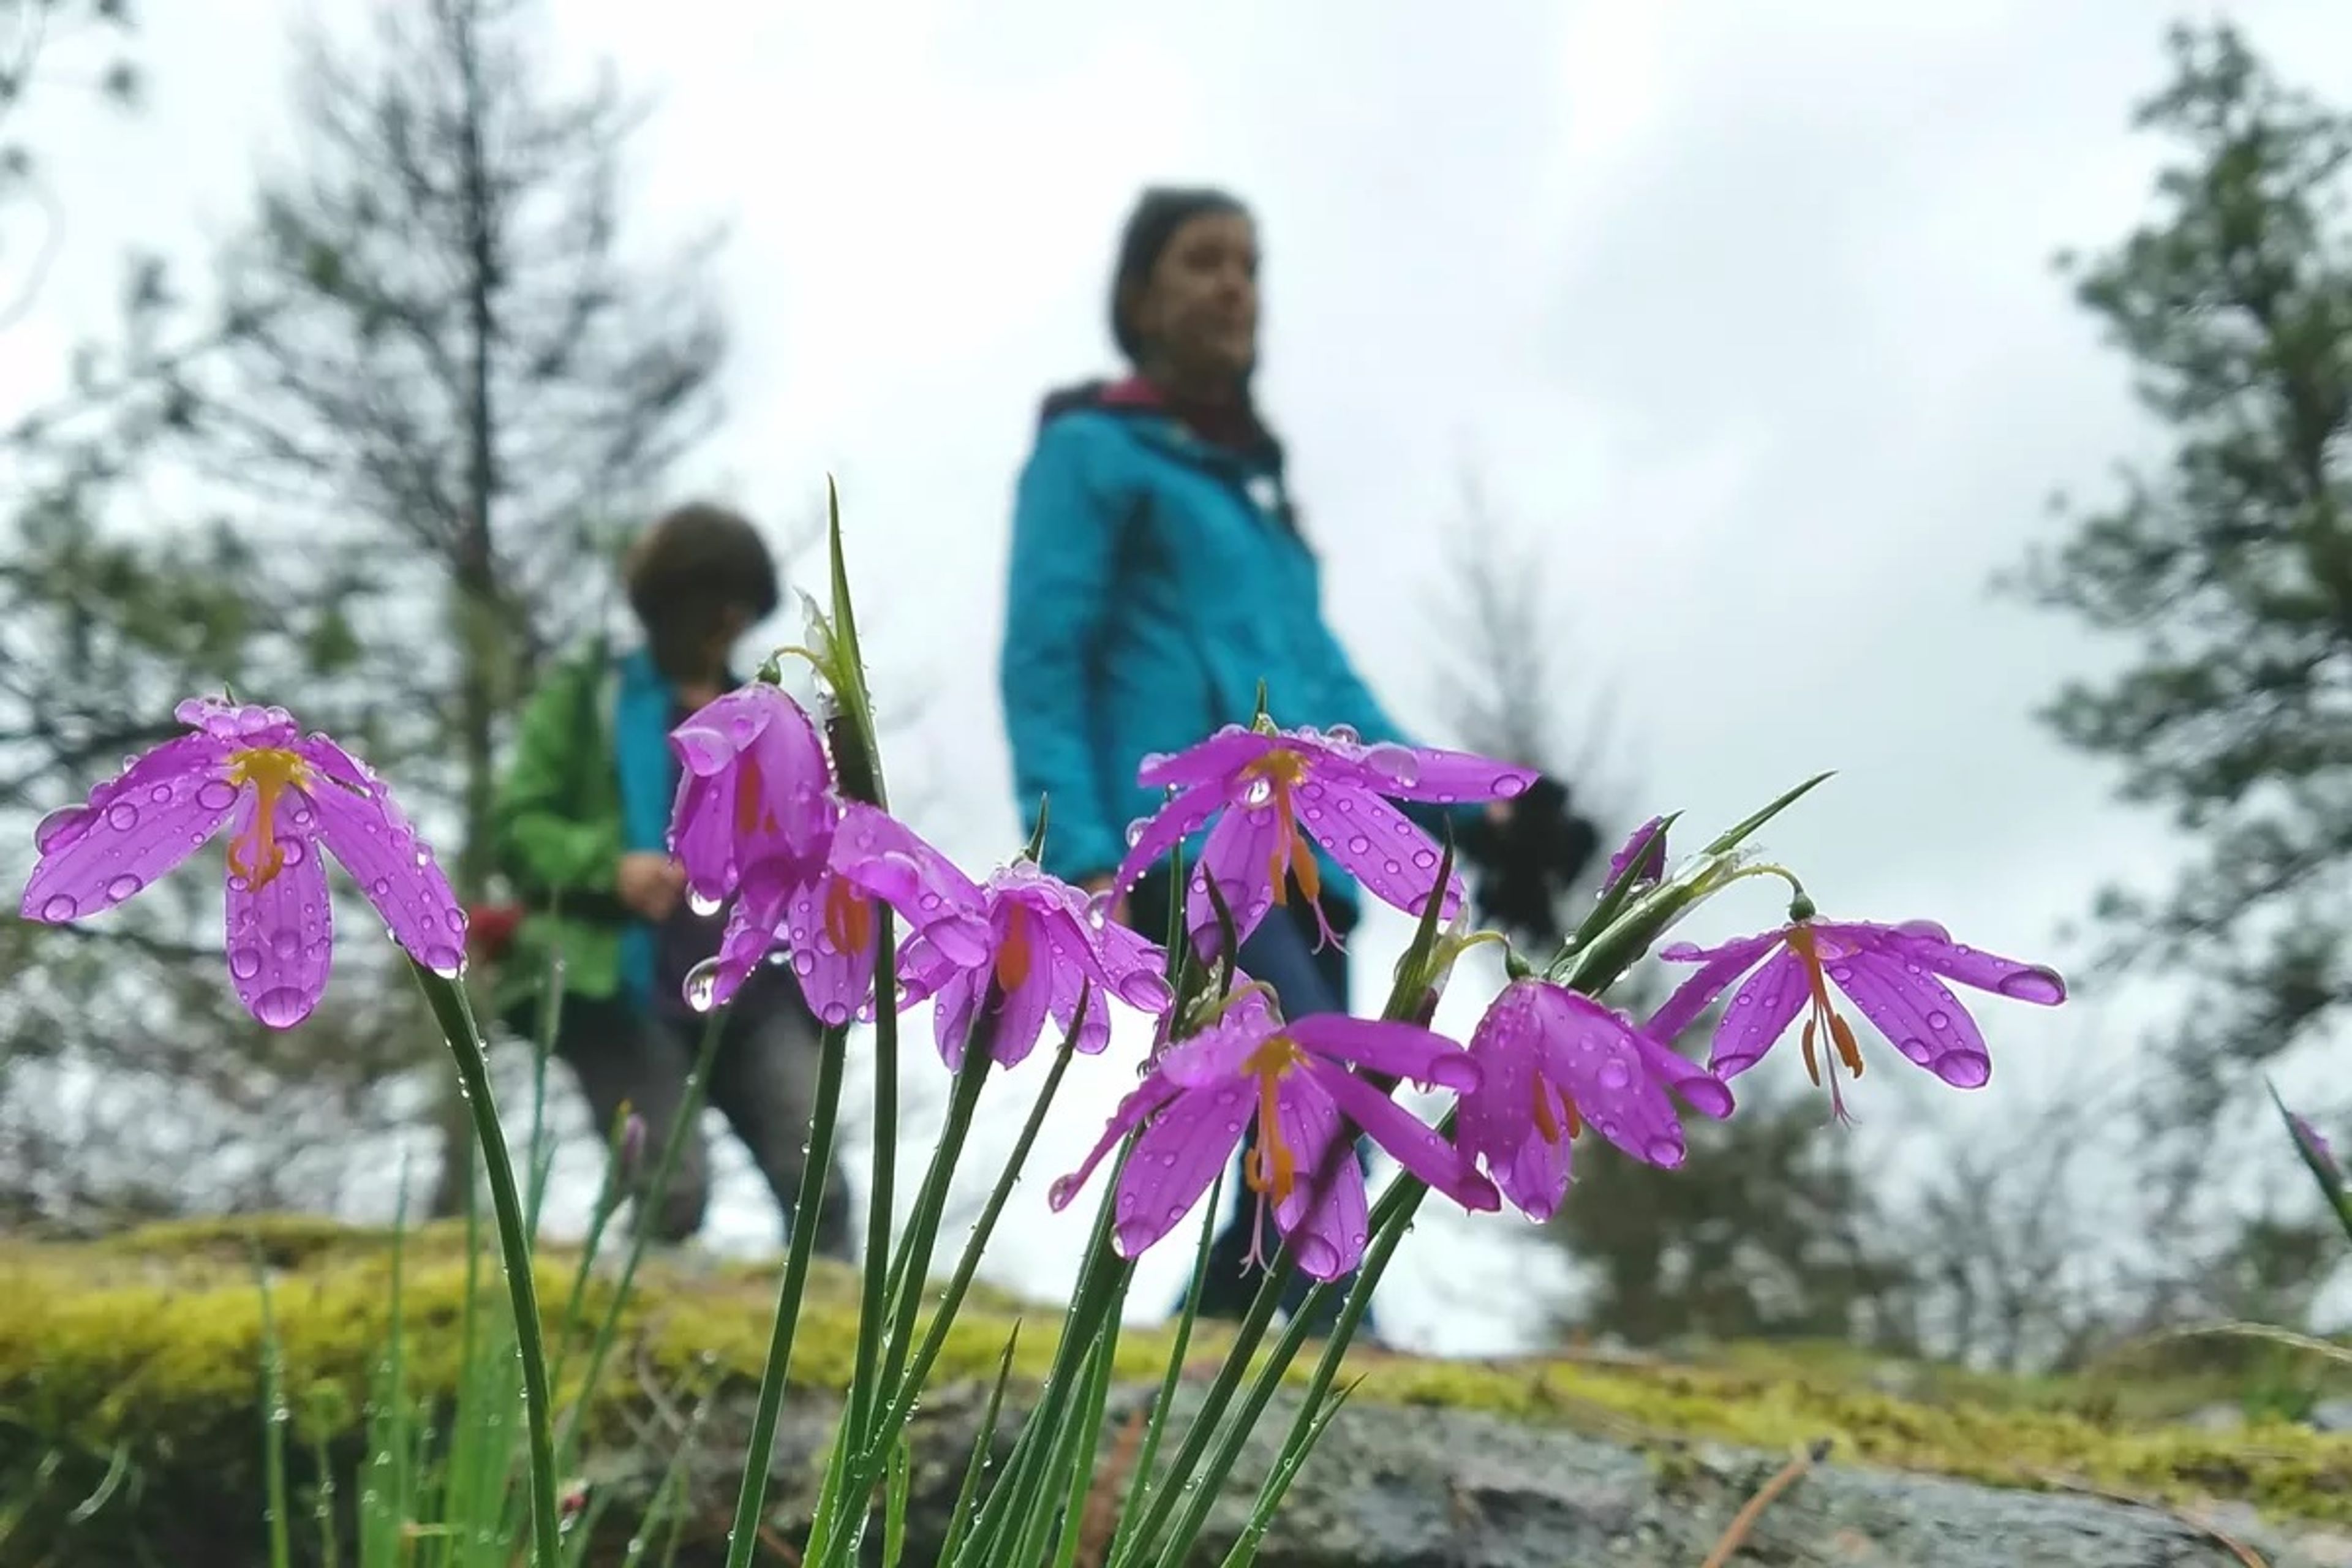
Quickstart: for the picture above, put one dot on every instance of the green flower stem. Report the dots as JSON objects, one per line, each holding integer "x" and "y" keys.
{"x": 1140, "y": 1485}
{"x": 874, "y": 1313}
{"x": 911, "y": 1270}
{"x": 745, "y": 1538}
{"x": 454, "y": 1016}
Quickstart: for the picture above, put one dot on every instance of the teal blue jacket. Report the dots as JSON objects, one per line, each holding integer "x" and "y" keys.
{"x": 1156, "y": 580}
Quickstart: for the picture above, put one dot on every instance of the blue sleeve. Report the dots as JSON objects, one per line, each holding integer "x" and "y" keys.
{"x": 1064, "y": 538}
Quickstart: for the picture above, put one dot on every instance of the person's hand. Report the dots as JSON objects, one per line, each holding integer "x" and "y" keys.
{"x": 1098, "y": 885}
{"x": 649, "y": 883}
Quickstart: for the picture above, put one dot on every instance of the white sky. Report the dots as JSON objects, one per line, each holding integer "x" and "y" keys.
{"x": 1745, "y": 312}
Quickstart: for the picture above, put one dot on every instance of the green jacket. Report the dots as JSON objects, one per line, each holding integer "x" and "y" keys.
{"x": 556, "y": 833}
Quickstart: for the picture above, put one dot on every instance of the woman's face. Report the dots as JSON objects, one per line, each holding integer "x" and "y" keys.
{"x": 1198, "y": 312}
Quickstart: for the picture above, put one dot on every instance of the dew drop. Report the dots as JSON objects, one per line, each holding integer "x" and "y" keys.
{"x": 2034, "y": 984}
{"x": 245, "y": 963}
{"x": 381, "y": 887}
{"x": 1616, "y": 1074}
{"x": 295, "y": 851}
{"x": 285, "y": 942}
{"x": 1135, "y": 831}
{"x": 160, "y": 795}
{"x": 701, "y": 903}
{"x": 1841, "y": 973}
{"x": 215, "y": 795}
{"x": 1939, "y": 1019}
{"x": 1506, "y": 786}
{"x": 702, "y": 985}
{"x": 1664, "y": 1151}
{"x": 123, "y": 816}
{"x": 59, "y": 907}
{"x": 122, "y": 887}
{"x": 1965, "y": 1071}
{"x": 281, "y": 1006}
{"x": 52, "y": 829}
{"x": 454, "y": 918}
{"x": 834, "y": 1013}
{"x": 443, "y": 960}
{"x": 1426, "y": 860}
{"x": 1257, "y": 793}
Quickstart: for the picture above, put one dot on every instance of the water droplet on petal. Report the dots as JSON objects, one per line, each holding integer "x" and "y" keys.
{"x": 700, "y": 903}
{"x": 51, "y": 830}
{"x": 281, "y": 1008}
{"x": 1506, "y": 786}
{"x": 834, "y": 1015}
{"x": 2034, "y": 984}
{"x": 122, "y": 887}
{"x": 123, "y": 816}
{"x": 1616, "y": 1074}
{"x": 1256, "y": 792}
{"x": 215, "y": 795}
{"x": 1939, "y": 1019}
{"x": 160, "y": 795}
{"x": 454, "y": 918}
{"x": 59, "y": 907}
{"x": 443, "y": 960}
{"x": 1664, "y": 1151}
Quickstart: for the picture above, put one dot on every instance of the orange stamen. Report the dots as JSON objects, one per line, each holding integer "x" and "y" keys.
{"x": 1272, "y": 1169}
{"x": 748, "y": 804}
{"x": 848, "y": 917}
{"x": 1824, "y": 1020}
{"x": 1015, "y": 954}
{"x": 255, "y": 856}
{"x": 1566, "y": 1122}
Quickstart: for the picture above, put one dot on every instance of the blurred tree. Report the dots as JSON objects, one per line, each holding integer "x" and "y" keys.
{"x": 2225, "y": 568}
{"x": 37, "y": 40}
{"x": 424, "y": 385}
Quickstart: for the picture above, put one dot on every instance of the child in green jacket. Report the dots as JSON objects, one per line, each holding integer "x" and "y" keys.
{"x": 582, "y": 825}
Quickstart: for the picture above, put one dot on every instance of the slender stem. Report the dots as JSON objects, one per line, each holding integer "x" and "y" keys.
{"x": 456, "y": 1020}
{"x": 874, "y": 1313}
{"x": 745, "y": 1535}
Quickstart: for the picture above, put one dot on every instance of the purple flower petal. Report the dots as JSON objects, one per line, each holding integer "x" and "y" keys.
{"x": 1760, "y": 1013}
{"x": 1400, "y": 1050}
{"x": 237, "y": 723}
{"x": 1593, "y": 1053}
{"x": 1212, "y": 761}
{"x": 753, "y": 782}
{"x": 1718, "y": 967}
{"x": 1925, "y": 942}
{"x": 1217, "y": 1053}
{"x": 1019, "y": 1016}
{"x": 953, "y": 1008}
{"x": 282, "y": 938}
{"x": 1495, "y": 1117}
{"x": 1534, "y": 1172}
{"x": 1918, "y": 1016}
{"x": 136, "y": 827}
{"x": 1428, "y": 773}
{"x": 1324, "y": 1216}
{"x": 1411, "y": 1142}
{"x": 1134, "y": 1109}
{"x": 1703, "y": 1091}
{"x": 836, "y": 936}
{"x": 1238, "y": 855}
{"x": 1178, "y": 1156}
{"x": 1643, "y": 859}
{"x": 360, "y": 824}
{"x": 1168, "y": 826}
{"x": 879, "y": 855}
{"x": 1395, "y": 860}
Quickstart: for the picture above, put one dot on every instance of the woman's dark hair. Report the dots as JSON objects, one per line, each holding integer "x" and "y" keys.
{"x": 1159, "y": 213}
{"x": 686, "y": 570}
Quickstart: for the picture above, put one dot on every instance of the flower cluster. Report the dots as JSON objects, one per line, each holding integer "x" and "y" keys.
{"x": 760, "y": 820}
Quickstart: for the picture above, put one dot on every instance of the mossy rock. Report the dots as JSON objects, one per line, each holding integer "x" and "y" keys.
{"x": 145, "y": 1351}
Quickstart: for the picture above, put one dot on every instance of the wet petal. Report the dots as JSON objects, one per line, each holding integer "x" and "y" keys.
{"x": 1238, "y": 855}
{"x": 1168, "y": 826}
{"x": 750, "y": 935}
{"x": 1325, "y": 1218}
{"x": 1018, "y": 1017}
{"x": 952, "y": 1009}
{"x": 835, "y": 979}
{"x": 237, "y": 723}
{"x": 1918, "y": 1016}
{"x": 1593, "y": 1053}
{"x": 1703, "y": 1091}
{"x": 1926, "y": 943}
{"x": 1395, "y": 860}
{"x": 1134, "y": 1107}
{"x": 702, "y": 835}
{"x": 1760, "y": 1012}
{"x": 1217, "y": 1053}
{"x": 362, "y": 826}
{"x": 134, "y": 828}
{"x": 1533, "y": 1174}
{"x": 1178, "y": 1156}
{"x": 282, "y": 937}
{"x": 1429, "y": 773}
{"x": 1400, "y": 1050}
{"x": 1718, "y": 967}
{"x": 1411, "y": 1142}
{"x": 883, "y": 858}
{"x": 1072, "y": 990}
{"x": 1495, "y": 1117}
{"x": 1644, "y": 857}
{"x": 1215, "y": 760}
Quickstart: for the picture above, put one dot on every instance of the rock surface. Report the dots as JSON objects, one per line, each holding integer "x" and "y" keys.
{"x": 148, "y": 1348}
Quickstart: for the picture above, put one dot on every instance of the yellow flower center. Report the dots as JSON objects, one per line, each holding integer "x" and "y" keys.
{"x": 255, "y": 854}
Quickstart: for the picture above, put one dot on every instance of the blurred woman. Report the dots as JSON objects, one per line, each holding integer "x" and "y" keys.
{"x": 1159, "y": 574}
{"x": 583, "y": 819}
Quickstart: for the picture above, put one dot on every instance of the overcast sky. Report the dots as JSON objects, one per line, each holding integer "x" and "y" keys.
{"x": 1744, "y": 313}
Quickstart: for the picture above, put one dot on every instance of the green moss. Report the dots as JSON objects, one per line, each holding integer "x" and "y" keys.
{"x": 153, "y": 1338}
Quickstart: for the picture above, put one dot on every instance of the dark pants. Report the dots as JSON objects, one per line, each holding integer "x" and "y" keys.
{"x": 763, "y": 1077}
{"x": 1281, "y": 953}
